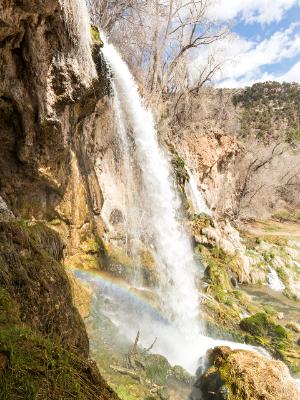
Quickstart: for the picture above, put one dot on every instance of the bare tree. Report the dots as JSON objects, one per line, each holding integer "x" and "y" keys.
{"x": 162, "y": 39}
{"x": 105, "y": 13}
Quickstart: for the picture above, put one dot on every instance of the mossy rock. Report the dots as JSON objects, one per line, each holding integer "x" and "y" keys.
{"x": 264, "y": 331}
{"x": 96, "y": 36}
{"x": 245, "y": 375}
{"x": 157, "y": 369}
{"x": 38, "y": 367}
{"x": 181, "y": 375}
{"x": 33, "y": 277}
{"x": 117, "y": 262}
{"x": 201, "y": 221}
{"x": 261, "y": 325}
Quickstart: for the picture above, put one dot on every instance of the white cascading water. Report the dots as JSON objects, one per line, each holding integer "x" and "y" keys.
{"x": 172, "y": 247}
{"x": 197, "y": 198}
{"x": 77, "y": 20}
{"x": 179, "y": 334}
{"x": 274, "y": 281}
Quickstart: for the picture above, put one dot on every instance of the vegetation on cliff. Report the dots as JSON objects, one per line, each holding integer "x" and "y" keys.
{"x": 43, "y": 343}
{"x": 270, "y": 109}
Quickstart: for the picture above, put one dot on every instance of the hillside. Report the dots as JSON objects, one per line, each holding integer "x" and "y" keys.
{"x": 244, "y": 147}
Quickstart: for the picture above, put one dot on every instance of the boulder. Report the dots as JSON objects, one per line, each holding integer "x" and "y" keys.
{"x": 244, "y": 375}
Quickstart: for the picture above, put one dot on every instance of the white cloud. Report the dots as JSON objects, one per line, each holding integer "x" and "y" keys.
{"x": 292, "y": 75}
{"x": 243, "y": 60}
{"x": 261, "y": 11}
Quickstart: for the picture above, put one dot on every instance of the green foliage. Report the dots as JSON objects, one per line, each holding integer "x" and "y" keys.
{"x": 201, "y": 221}
{"x": 181, "y": 375}
{"x": 269, "y": 107}
{"x": 179, "y": 169}
{"x": 261, "y": 325}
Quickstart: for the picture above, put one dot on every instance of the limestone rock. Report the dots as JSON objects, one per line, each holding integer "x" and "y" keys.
{"x": 245, "y": 375}
{"x": 82, "y": 295}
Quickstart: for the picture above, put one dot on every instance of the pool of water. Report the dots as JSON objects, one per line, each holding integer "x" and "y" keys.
{"x": 265, "y": 296}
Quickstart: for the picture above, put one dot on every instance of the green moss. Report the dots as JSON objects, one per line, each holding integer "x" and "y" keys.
{"x": 217, "y": 270}
{"x": 261, "y": 325}
{"x": 124, "y": 393}
{"x": 147, "y": 258}
{"x": 157, "y": 369}
{"x": 90, "y": 246}
{"x": 201, "y": 221}
{"x": 95, "y": 33}
{"x": 285, "y": 279}
{"x": 38, "y": 368}
{"x": 264, "y": 331}
{"x": 116, "y": 255}
{"x": 181, "y": 375}
{"x": 9, "y": 310}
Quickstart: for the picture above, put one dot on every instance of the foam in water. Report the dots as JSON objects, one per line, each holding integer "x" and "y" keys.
{"x": 197, "y": 198}
{"x": 78, "y": 24}
{"x": 274, "y": 281}
{"x": 178, "y": 292}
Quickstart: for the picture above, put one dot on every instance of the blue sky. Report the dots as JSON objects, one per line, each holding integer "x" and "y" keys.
{"x": 265, "y": 44}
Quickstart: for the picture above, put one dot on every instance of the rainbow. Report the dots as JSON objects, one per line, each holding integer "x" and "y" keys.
{"x": 139, "y": 298}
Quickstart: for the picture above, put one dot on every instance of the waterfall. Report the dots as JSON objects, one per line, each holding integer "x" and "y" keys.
{"x": 178, "y": 324}
{"x": 274, "y": 281}
{"x": 174, "y": 255}
{"x": 77, "y": 20}
{"x": 197, "y": 198}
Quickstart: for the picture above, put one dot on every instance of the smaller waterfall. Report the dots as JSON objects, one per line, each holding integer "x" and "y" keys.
{"x": 274, "y": 281}
{"x": 197, "y": 198}
{"x": 78, "y": 24}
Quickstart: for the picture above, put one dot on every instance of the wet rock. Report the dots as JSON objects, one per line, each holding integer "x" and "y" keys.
{"x": 245, "y": 375}
{"x": 234, "y": 281}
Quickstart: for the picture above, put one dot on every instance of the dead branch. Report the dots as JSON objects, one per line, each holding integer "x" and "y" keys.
{"x": 126, "y": 371}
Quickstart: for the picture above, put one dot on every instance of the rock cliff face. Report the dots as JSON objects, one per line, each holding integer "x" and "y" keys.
{"x": 52, "y": 96}
{"x": 48, "y": 106}
{"x": 247, "y": 166}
